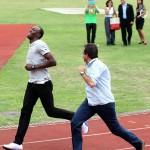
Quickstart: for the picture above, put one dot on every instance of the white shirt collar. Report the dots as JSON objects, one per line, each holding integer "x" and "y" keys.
{"x": 91, "y": 61}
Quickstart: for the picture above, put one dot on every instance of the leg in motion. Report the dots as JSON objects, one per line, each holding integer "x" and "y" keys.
{"x": 83, "y": 113}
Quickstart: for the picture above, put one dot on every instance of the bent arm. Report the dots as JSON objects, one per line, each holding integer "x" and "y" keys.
{"x": 49, "y": 62}
{"x": 88, "y": 80}
{"x": 85, "y": 77}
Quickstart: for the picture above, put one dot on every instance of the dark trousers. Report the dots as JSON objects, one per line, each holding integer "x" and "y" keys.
{"x": 110, "y": 34}
{"x": 33, "y": 92}
{"x": 126, "y": 31}
{"x": 108, "y": 114}
{"x": 91, "y": 32}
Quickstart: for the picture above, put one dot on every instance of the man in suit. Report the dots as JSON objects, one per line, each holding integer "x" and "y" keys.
{"x": 126, "y": 15}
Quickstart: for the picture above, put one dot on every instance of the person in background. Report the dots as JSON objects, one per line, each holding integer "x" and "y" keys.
{"x": 99, "y": 100}
{"x": 109, "y": 13}
{"x": 126, "y": 15}
{"x": 39, "y": 85}
{"x": 90, "y": 21}
{"x": 139, "y": 21}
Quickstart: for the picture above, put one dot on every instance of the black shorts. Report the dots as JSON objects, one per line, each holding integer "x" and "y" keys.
{"x": 139, "y": 23}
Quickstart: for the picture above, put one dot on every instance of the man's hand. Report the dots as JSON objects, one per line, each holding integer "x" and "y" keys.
{"x": 29, "y": 67}
{"x": 82, "y": 69}
{"x": 87, "y": 79}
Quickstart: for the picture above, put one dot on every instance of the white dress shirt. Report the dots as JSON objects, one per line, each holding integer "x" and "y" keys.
{"x": 101, "y": 94}
{"x": 124, "y": 7}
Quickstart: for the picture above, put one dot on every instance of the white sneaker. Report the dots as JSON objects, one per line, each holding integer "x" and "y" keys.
{"x": 85, "y": 128}
{"x": 13, "y": 146}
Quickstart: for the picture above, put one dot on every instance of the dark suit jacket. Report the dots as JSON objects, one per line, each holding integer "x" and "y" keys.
{"x": 130, "y": 13}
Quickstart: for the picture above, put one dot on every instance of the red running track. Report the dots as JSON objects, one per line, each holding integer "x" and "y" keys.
{"x": 57, "y": 136}
{"x": 11, "y": 37}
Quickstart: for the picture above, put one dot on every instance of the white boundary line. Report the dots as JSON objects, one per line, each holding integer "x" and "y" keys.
{"x": 67, "y": 122}
{"x": 76, "y": 11}
{"x": 131, "y": 148}
{"x": 70, "y": 11}
{"x": 88, "y": 135}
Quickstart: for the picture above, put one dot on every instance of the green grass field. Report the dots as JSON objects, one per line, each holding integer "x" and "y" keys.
{"x": 65, "y": 35}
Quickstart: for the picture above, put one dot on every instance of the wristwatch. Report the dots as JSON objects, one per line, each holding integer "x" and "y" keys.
{"x": 82, "y": 73}
{"x": 33, "y": 66}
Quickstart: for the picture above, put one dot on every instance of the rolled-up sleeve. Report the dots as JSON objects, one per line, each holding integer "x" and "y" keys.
{"x": 43, "y": 48}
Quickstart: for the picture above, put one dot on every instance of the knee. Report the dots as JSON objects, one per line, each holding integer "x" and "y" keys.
{"x": 75, "y": 125}
{"x": 117, "y": 130}
{"x": 114, "y": 131}
{"x": 51, "y": 112}
{"x": 26, "y": 111}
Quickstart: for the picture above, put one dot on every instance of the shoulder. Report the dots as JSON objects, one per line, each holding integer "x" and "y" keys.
{"x": 129, "y": 5}
{"x": 143, "y": 6}
{"x": 42, "y": 46}
{"x": 41, "y": 42}
{"x": 100, "y": 64}
{"x": 120, "y": 5}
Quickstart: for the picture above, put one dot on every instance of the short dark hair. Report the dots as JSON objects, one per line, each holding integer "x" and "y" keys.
{"x": 91, "y": 50}
{"x": 41, "y": 31}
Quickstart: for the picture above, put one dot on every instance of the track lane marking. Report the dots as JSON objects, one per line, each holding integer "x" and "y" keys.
{"x": 131, "y": 148}
{"x": 88, "y": 135}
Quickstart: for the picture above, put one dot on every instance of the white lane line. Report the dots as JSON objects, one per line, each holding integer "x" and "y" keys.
{"x": 70, "y": 11}
{"x": 36, "y": 125}
{"x": 133, "y": 122}
{"x": 88, "y": 135}
{"x": 67, "y": 122}
{"x": 131, "y": 148}
{"x": 147, "y": 125}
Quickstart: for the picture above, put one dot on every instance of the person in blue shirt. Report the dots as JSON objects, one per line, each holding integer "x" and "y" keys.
{"x": 99, "y": 100}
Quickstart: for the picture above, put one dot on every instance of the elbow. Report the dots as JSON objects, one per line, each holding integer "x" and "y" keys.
{"x": 52, "y": 63}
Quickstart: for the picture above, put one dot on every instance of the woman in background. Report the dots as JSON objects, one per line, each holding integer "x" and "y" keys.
{"x": 90, "y": 21}
{"x": 109, "y": 13}
{"x": 140, "y": 12}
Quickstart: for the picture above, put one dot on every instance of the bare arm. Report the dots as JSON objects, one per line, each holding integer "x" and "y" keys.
{"x": 50, "y": 62}
{"x": 106, "y": 11}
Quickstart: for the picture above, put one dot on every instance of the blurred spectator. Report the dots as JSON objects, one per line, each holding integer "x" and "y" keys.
{"x": 140, "y": 12}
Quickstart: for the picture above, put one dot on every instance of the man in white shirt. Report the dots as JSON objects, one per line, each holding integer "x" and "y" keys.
{"x": 99, "y": 99}
{"x": 39, "y": 58}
